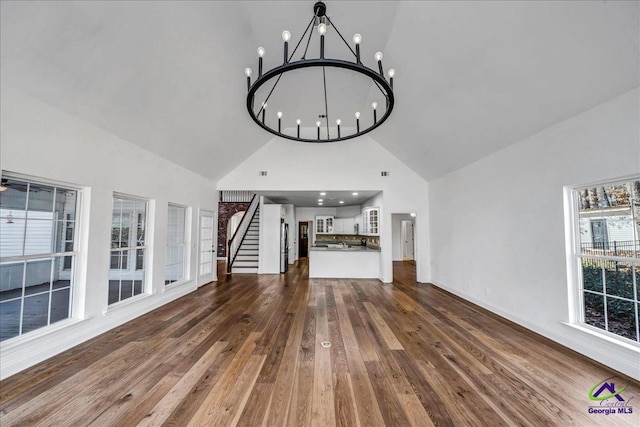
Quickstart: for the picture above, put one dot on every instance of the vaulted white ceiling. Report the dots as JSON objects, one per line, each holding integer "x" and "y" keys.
{"x": 473, "y": 77}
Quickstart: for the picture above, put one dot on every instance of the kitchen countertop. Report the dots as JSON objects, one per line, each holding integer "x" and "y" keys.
{"x": 349, "y": 249}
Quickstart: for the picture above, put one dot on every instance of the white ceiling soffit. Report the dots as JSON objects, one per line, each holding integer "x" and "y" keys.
{"x": 473, "y": 77}
{"x": 331, "y": 199}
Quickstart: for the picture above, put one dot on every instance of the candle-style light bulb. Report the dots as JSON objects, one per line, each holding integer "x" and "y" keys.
{"x": 248, "y": 71}
{"x": 378, "y": 57}
{"x": 357, "y": 38}
{"x": 318, "y": 123}
{"x": 279, "y": 114}
{"x": 286, "y": 35}
{"x": 298, "y": 122}
{"x": 338, "y": 122}
{"x": 374, "y": 105}
{"x": 264, "y": 105}
{"x": 357, "y": 114}
{"x": 260, "y": 55}
{"x": 322, "y": 29}
{"x": 392, "y": 74}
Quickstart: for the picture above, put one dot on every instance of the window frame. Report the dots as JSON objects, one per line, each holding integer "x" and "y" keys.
{"x": 132, "y": 262}
{"x": 73, "y": 313}
{"x": 186, "y": 244}
{"x": 575, "y": 268}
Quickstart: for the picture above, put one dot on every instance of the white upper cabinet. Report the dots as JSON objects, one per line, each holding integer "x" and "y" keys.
{"x": 371, "y": 221}
{"x": 325, "y": 224}
{"x": 344, "y": 226}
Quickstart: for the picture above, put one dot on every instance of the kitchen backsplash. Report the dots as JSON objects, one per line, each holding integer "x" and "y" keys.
{"x": 349, "y": 239}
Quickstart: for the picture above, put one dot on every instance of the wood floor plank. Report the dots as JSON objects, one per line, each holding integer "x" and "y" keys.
{"x": 246, "y": 350}
{"x": 221, "y": 390}
{"x": 323, "y": 405}
{"x": 172, "y": 399}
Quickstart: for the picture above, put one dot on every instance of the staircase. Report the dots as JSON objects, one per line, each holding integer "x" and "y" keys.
{"x": 243, "y": 248}
{"x": 247, "y": 258}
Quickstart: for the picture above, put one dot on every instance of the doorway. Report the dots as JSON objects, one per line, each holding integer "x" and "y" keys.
{"x": 403, "y": 231}
{"x": 303, "y": 239}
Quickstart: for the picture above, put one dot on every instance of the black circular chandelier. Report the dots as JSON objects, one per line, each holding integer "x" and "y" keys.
{"x": 361, "y": 125}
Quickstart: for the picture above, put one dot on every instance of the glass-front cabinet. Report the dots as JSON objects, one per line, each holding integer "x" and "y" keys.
{"x": 371, "y": 221}
{"x": 324, "y": 224}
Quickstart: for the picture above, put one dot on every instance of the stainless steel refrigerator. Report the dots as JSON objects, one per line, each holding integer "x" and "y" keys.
{"x": 284, "y": 247}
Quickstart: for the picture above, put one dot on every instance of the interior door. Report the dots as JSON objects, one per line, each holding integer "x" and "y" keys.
{"x": 303, "y": 239}
{"x": 207, "y": 261}
{"x": 407, "y": 240}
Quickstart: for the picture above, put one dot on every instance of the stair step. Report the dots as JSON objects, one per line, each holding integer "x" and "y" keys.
{"x": 252, "y": 258}
{"x": 245, "y": 264}
{"x": 245, "y": 270}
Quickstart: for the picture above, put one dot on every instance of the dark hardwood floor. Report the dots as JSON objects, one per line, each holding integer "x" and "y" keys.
{"x": 247, "y": 350}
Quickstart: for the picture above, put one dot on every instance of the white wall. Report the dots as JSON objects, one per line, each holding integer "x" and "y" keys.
{"x": 40, "y": 141}
{"x": 503, "y": 216}
{"x": 269, "y": 260}
{"x": 396, "y": 234}
{"x": 348, "y": 211}
{"x": 299, "y": 166}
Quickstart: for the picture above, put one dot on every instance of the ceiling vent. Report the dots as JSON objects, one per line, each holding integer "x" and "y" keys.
{"x": 384, "y": 173}
{"x": 263, "y": 173}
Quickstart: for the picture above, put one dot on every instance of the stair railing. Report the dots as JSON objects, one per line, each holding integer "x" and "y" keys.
{"x": 236, "y": 240}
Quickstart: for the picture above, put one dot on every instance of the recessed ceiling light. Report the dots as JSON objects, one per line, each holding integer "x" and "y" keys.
{"x": 355, "y": 194}
{"x": 319, "y": 203}
{"x": 323, "y": 194}
{"x": 341, "y": 201}
{"x": 413, "y": 214}
{"x": 320, "y": 200}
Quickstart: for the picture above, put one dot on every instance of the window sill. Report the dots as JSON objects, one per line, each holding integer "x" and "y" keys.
{"x": 125, "y": 303}
{"x": 176, "y": 284}
{"x": 630, "y": 345}
{"x": 39, "y": 333}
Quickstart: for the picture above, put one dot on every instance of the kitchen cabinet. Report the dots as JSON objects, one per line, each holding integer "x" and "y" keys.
{"x": 324, "y": 224}
{"x": 371, "y": 221}
{"x": 344, "y": 226}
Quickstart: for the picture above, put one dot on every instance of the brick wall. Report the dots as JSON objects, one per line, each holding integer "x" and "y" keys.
{"x": 225, "y": 211}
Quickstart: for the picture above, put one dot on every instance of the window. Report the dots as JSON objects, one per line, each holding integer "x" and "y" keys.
{"x": 607, "y": 256}
{"x": 176, "y": 257}
{"x": 128, "y": 248}
{"x": 37, "y": 255}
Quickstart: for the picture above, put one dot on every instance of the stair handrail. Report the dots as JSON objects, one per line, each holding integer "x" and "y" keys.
{"x": 243, "y": 227}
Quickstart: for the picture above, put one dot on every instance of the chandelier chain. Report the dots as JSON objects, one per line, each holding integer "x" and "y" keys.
{"x": 338, "y": 31}
{"x": 301, "y": 38}
{"x": 304, "y": 55}
{"x": 326, "y": 104}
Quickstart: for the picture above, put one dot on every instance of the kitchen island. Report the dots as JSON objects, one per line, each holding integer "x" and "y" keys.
{"x": 356, "y": 262}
